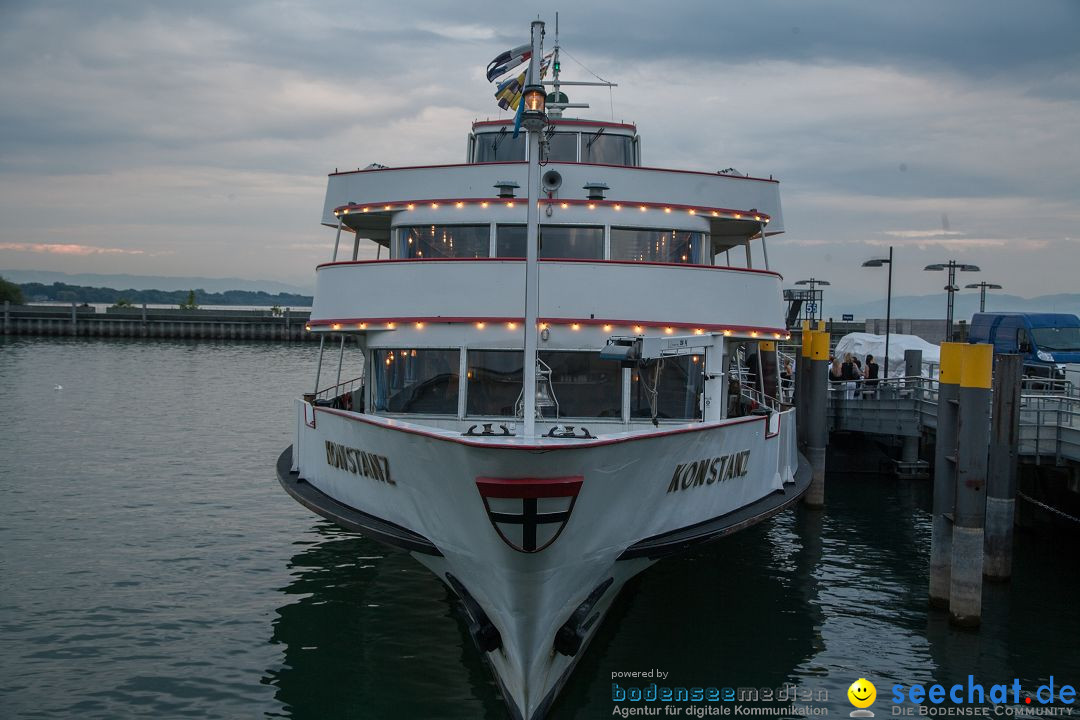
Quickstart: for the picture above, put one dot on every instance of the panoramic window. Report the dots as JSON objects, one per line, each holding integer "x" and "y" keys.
{"x": 601, "y": 147}
{"x": 556, "y": 241}
{"x": 494, "y": 382}
{"x": 416, "y": 381}
{"x": 569, "y": 241}
{"x": 499, "y": 146}
{"x": 562, "y": 147}
{"x": 650, "y": 245}
{"x": 444, "y": 241}
{"x": 584, "y": 385}
{"x": 681, "y": 382}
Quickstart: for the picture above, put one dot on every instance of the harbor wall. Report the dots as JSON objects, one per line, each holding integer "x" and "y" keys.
{"x": 85, "y": 321}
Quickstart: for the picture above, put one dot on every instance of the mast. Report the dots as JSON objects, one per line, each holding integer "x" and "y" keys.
{"x": 534, "y": 122}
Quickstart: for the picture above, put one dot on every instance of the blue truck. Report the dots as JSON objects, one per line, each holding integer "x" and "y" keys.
{"x": 1048, "y": 341}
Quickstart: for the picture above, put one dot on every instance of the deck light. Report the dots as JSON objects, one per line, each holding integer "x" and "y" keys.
{"x": 346, "y": 211}
{"x": 638, "y": 329}
{"x": 459, "y": 205}
{"x": 535, "y": 99}
{"x": 668, "y": 331}
{"x": 699, "y": 331}
{"x": 643, "y": 208}
{"x": 738, "y": 216}
{"x": 592, "y": 207}
{"x": 511, "y": 326}
{"x": 753, "y": 333}
{"x": 390, "y": 326}
{"x": 693, "y": 211}
{"x": 335, "y": 326}
{"x": 362, "y": 326}
{"x": 308, "y": 328}
{"x": 434, "y": 206}
{"x": 758, "y": 218}
{"x": 419, "y": 326}
{"x": 365, "y": 210}
{"x": 479, "y": 326}
{"x": 607, "y": 328}
{"x": 564, "y": 205}
{"x": 409, "y": 206}
{"x": 667, "y": 210}
{"x": 483, "y": 204}
{"x": 575, "y": 326}
{"x": 510, "y": 204}
{"x": 727, "y": 333}
{"x": 385, "y": 207}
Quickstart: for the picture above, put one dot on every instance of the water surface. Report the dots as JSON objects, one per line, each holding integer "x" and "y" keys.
{"x": 150, "y": 565}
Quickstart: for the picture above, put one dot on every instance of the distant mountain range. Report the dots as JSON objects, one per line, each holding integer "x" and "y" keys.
{"x": 967, "y": 304}
{"x": 154, "y": 282}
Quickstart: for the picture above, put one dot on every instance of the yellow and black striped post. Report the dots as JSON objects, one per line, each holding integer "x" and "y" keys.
{"x": 952, "y": 363}
{"x": 972, "y": 449}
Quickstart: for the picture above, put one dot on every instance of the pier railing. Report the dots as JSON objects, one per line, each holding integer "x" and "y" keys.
{"x": 908, "y": 407}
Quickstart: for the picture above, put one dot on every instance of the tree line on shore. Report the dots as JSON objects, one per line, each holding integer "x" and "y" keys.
{"x": 62, "y": 292}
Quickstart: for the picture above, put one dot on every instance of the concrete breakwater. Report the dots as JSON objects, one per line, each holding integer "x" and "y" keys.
{"x": 85, "y": 321}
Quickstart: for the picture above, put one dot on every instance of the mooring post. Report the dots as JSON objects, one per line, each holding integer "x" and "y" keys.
{"x": 1001, "y": 479}
{"x": 952, "y": 363}
{"x": 817, "y": 426}
{"x": 802, "y": 375}
{"x": 909, "y": 451}
{"x": 972, "y": 448}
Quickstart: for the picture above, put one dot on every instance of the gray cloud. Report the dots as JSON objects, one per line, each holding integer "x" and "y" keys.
{"x": 206, "y": 129}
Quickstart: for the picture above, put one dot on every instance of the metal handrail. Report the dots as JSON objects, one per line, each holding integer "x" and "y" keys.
{"x": 340, "y": 395}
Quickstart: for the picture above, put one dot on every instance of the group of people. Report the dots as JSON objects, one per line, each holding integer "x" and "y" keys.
{"x": 851, "y": 372}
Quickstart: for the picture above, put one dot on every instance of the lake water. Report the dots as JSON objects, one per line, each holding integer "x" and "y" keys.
{"x": 151, "y": 566}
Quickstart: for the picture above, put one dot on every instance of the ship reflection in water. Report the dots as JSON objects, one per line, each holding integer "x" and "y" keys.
{"x": 810, "y": 599}
{"x": 369, "y": 633}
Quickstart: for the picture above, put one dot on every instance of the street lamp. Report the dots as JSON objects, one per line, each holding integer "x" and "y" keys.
{"x": 983, "y": 287}
{"x": 952, "y": 266}
{"x": 878, "y": 262}
{"x": 817, "y": 298}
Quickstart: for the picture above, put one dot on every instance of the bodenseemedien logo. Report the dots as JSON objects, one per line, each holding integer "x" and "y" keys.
{"x": 862, "y": 694}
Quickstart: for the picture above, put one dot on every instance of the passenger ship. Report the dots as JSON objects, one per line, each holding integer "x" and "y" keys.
{"x": 537, "y": 422}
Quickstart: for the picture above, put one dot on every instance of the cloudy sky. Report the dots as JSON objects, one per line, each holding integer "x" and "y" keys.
{"x": 194, "y": 138}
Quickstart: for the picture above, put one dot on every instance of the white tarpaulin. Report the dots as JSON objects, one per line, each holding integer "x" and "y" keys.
{"x": 862, "y": 344}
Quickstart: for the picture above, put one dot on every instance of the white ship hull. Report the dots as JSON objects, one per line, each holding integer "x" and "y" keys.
{"x": 538, "y": 537}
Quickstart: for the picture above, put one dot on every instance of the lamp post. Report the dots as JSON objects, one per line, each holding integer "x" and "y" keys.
{"x": 532, "y": 117}
{"x": 813, "y": 283}
{"x": 983, "y": 287}
{"x": 952, "y": 266}
{"x": 878, "y": 262}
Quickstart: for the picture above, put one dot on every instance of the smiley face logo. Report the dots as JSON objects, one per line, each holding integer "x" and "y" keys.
{"x": 862, "y": 694}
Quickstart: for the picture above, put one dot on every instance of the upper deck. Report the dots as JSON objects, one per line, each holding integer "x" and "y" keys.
{"x": 580, "y": 153}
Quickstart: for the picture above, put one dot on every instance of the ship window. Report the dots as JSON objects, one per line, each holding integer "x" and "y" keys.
{"x": 601, "y": 147}
{"x": 443, "y": 241}
{"x": 410, "y": 380}
{"x": 681, "y": 383}
{"x": 585, "y": 386}
{"x": 556, "y": 241}
{"x": 499, "y": 146}
{"x": 562, "y": 147}
{"x": 650, "y": 245}
{"x": 494, "y": 382}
